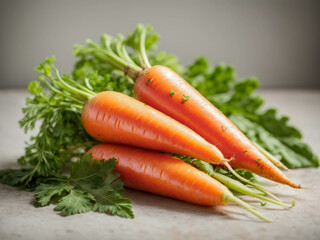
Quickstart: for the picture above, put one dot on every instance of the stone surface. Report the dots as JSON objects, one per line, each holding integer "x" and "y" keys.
{"x": 159, "y": 217}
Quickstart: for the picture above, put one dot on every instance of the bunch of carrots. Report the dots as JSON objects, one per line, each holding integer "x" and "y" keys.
{"x": 166, "y": 117}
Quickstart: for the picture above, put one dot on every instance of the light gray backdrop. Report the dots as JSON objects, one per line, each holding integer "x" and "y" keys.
{"x": 277, "y": 41}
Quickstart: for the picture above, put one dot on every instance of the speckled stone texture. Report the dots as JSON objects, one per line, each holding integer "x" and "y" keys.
{"x": 158, "y": 217}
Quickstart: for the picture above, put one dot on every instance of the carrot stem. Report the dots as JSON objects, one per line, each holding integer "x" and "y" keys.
{"x": 235, "y": 185}
{"x": 145, "y": 61}
{"x": 70, "y": 88}
{"x": 228, "y": 198}
{"x": 83, "y": 88}
{"x": 121, "y": 50}
{"x": 260, "y": 188}
{"x": 241, "y": 188}
{"x": 107, "y": 55}
{"x": 63, "y": 93}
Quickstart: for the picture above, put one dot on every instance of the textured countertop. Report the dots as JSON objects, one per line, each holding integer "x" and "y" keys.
{"x": 158, "y": 217}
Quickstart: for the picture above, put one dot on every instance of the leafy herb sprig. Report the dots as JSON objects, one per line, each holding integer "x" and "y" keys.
{"x": 92, "y": 186}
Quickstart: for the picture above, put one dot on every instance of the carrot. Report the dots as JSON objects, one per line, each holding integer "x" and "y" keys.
{"x": 166, "y": 91}
{"x": 115, "y": 117}
{"x": 201, "y": 116}
{"x": 166, "y": 175}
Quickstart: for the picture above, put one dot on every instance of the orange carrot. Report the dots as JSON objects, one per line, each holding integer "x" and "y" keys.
{"x": 164, "y": 90}
{"x": 117, "y": 118}
{"x": 166, "y": 175}
{"x": 172, "y": 95}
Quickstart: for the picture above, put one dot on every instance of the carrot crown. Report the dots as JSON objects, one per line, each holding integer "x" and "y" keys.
{"x": 67, "y": 90}
{"x": 113, "y": 50}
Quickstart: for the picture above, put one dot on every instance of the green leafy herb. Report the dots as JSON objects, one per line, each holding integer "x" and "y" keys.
{"x": 92, "y": 185}
{"x": 12, "y": 177}
{"x": 290, "y": 150}
{"x": 44, "y": 192}
{"x": 134, "y": 38}
{"x": 74, "y": 202}
{"x": 61, "y": 134}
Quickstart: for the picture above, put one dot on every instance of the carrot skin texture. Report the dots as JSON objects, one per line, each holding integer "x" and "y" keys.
{"x": 117, "y": 118}
{"x": 161, "y": 174}
{"x": 205, "y": 119}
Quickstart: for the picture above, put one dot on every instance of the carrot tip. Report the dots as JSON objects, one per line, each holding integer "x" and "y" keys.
{"x": 291, "y": 184}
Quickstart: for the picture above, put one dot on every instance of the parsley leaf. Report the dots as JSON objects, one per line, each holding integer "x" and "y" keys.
{"x": 97, "y": 179}
{"x": 12, "y": 177}
{"x": 290, "y": 150}
{"x": 75, "y": 202}
{"x": 44, "y": 192}
{"x": 92, "y": 185}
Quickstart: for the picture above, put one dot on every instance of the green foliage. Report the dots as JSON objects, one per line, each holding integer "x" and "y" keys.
{"x": 60, "y": 129}
{"x": 44, "y": 192}
{"x": 92, "y": 185}
{"x": 12, "y": 177}
{"x": 98, "y": 77}
{"x": 152, "y": 37}
{"x": 74, "y": 202}
{"x": 289, "y": 149}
